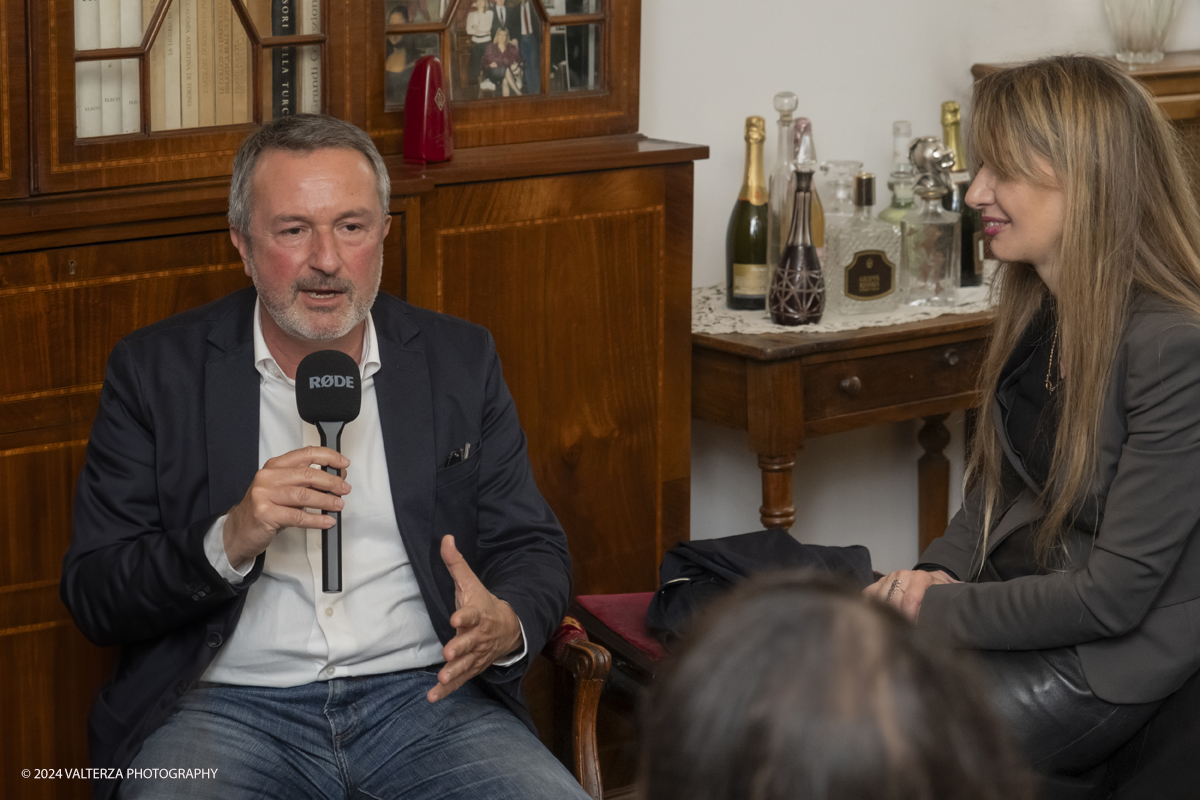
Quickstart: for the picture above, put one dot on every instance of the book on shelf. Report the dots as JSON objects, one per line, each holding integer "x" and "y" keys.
{"x": 239, "y": 72}
{"x": 110, "y": 69}
{"x": 205, "y": 76}
{"x": 88, "y": 94}
{"x": 131, "y": 90}
{"x": 283, "y": 60}
{"x": 189, "y": 63}
{"x": 310, "y": 58}
{"x": 223, "y": 20}
{"x": 172, "y": 42}
{"x": 156, "y": 65}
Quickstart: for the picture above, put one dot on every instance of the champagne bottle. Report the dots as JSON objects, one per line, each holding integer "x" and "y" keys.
{"x": 746, "y": 273}
{"x": 971, "y": 260}
{"x": 797, "y": 287}
{"x": 781, "y": 189}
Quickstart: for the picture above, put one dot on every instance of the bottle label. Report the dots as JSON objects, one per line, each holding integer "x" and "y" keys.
{"x": 979, "y": 252}
{"x": 749, "y": 280}
{"x": 870, "y": 275}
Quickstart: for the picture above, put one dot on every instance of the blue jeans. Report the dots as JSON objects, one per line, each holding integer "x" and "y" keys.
{"x": 373, "y": 737}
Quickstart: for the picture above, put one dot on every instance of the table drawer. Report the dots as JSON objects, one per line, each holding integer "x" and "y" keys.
{"x": 838, "y": 388}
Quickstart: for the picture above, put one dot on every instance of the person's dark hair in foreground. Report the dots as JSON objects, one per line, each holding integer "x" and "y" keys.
{"x": 796, "y": 687}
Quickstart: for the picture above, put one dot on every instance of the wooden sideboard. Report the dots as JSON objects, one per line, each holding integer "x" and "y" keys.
{"x": 783, "y": 388}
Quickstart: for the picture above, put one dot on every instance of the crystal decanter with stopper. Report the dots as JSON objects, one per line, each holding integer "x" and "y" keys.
{"x": 797, "y": 295}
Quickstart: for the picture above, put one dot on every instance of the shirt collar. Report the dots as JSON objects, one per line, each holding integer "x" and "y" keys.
{"x": 266, "y": 365}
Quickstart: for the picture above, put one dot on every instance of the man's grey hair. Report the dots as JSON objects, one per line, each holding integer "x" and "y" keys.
{"x": 298, "y": 133}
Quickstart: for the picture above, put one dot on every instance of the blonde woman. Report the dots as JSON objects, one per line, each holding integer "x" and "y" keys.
{"x": 479, "y": 27}
{"x": 1074, "y": 566}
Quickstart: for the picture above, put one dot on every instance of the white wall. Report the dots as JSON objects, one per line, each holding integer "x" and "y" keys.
{"x": 856, "y": 66}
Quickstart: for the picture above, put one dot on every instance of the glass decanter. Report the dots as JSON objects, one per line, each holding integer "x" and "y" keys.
{"x": 929, "y": 248}
{"x": 861, "y": 258}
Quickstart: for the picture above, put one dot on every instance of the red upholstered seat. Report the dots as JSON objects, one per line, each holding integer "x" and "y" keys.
{"x": 618, "y": 621}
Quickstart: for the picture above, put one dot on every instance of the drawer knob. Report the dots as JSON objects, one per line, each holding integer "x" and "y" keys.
{"x": 950, "y": 357}
{"x": 851, "y": 386}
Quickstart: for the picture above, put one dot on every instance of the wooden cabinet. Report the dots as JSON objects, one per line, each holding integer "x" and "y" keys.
{"x": 349, "y": 42}
{"x": 563, "y": 231}
{"x": 14, "y": 149}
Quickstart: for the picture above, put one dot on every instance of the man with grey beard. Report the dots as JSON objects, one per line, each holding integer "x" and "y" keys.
{"x": 199, "y": 512}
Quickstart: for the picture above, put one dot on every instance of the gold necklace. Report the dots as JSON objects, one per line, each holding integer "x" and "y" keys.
{"x": 1051, "y": 386}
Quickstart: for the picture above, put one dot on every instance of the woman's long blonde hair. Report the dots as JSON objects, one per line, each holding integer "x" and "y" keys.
{"x": 1131, "y": 225}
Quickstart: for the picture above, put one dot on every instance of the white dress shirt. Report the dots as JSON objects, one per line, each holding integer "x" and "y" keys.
{"x": 290, "y": 632}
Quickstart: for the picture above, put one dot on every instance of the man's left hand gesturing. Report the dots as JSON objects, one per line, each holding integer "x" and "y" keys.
{"x": 488, "y": 628}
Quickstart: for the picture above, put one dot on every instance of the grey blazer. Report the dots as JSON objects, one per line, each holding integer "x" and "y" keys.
{"x": 1129, "y": 599}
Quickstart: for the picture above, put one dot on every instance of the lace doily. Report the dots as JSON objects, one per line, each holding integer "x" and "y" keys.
{"x": 709, "y": 314}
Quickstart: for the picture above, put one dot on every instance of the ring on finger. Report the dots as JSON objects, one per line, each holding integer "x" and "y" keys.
{"x": 892, "y": 589}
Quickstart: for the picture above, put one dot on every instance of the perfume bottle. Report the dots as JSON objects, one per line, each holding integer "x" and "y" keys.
{"x": 861, "y": 258}
{"x": 797, "y": 295}
{"x": 780, "y": 188}
{"x": 929, "y": 247}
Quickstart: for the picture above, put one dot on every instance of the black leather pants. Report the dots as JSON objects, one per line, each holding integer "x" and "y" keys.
{"x": 1064, "y": 728}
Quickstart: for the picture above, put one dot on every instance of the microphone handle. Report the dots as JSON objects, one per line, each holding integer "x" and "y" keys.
{"x": 331, "y": 538}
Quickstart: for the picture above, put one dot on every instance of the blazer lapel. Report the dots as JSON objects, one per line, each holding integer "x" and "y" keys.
{"x": 404, "y": 393}
{"x": 231, "y": 410}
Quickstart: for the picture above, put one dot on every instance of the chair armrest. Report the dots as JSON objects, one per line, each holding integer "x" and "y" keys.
{"x": 588, "y": 664}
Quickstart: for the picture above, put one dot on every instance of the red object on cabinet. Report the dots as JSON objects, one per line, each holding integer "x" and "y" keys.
{"x": 428, "y": 134}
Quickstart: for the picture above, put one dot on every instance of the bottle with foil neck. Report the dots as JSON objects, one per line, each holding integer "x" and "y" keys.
{"x": 781, "y": 189}
{"x": 797, "y": 295}
{"x": 971, "y": 257}
{"x": 746, "y": 267}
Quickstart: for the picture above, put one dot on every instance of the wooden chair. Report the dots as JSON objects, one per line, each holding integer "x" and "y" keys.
{"x": 587, "y": 664}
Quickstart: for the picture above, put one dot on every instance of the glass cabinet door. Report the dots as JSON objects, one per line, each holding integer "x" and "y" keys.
{"x": 508, "y": 65}
{"x": 14, "y": 160}
{"x": 145, "y": 91}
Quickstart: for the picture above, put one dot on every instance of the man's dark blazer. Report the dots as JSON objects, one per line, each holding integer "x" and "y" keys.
{"x": 175, "y": 445}
{"x": 1128, "y": 599}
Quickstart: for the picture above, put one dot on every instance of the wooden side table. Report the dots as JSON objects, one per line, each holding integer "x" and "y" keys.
{"x": 782, "y": 388}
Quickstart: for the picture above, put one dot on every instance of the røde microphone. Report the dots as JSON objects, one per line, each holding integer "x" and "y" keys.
{"x": 329, "y": 394}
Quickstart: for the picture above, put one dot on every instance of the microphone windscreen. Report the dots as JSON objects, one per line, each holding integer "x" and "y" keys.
{"x": 328, "y": 387}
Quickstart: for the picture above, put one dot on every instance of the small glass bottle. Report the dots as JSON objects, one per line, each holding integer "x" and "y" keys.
{"x": 861, "y": 258}
{"x": 797, "y": 295}
{"x": 901, "y": 139}
{"x": 806, "y": 153}
{"x": 929, "y": 248}
{"x": 780, "y": 187}
{"x": 901, "y": 184}
{"x": 838, "y": 189}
